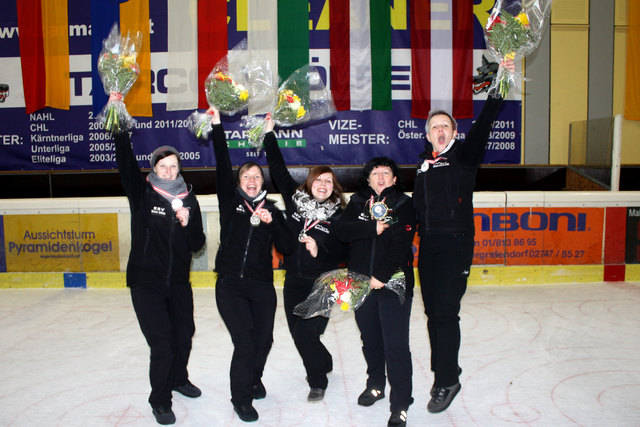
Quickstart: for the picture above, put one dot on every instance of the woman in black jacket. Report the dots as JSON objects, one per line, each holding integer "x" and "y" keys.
{"x": 312, "y": 210}
{"x": 166, "y": 228}
{"x": 249, "y": 227}
{"x": 379, "y": 222}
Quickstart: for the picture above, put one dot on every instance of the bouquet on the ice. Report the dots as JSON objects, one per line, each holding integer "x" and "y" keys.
{"x": 302, "y": 97}
{"x": 118, "y": 71}
{"x": 342, "y": 290}
{"x": 514, "y": 30}
{"x": 237, "y": 79}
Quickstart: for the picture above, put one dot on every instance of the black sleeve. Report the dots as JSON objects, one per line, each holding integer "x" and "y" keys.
{"x": 225, "y": 184}
{"x": 473, "y": 148}
{"x": 283, "y": 238}
{"x": 349, "y": 228}
{"x": 402, "y": 233}
{"x": 193, "y": 231}
{"x": 280, "y": 175}
{"x": 131, "y": 177}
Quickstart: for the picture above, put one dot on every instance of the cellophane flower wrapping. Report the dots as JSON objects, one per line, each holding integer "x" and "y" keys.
{"x": 513, "y": 31}
{"x": 334, "y": 291}
{"x": 239, "y": 78}
{"x": 342, "y": 290}
{"x": 118, "y": 71}
{"x": 301, "y": 98}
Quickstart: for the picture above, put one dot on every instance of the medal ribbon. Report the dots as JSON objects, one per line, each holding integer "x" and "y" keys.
{"x": 167, "y": 194}
{"x": 253, "y": 212}
{"x": 371, "y": 201}
{"x": 307, "y": 228}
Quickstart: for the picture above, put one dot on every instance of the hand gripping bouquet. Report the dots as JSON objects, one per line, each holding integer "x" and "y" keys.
{"x": 118, "y": 71}
{"x": 514, "y": 30}
{"x": 342, "y": 290}
{"x": 301, "y": 98}
{"x": 236, "y": 79}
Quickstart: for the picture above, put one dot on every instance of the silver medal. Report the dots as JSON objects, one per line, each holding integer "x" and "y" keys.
{"x": 302, "y": 236}
{"x": 254, "y": 220}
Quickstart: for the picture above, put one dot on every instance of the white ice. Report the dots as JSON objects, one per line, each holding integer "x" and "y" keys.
{"x": 553, "y": 355}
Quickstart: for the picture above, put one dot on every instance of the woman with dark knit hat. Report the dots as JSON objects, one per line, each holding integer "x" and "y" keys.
{"x": 166, "y": 228}
{"x": 250, "y": 225}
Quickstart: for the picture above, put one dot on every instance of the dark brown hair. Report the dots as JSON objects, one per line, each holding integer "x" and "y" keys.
{"x": 336, "y": 196}
{"x": 246, "y": 166}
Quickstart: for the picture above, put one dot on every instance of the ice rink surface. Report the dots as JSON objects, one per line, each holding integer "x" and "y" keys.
{"x": 546, "y": 355}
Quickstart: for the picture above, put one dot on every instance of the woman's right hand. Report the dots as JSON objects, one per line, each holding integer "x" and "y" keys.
{"x": 215, "y": 115}
{"x": 381, "y": 226}
{"x": 270, "y": 124}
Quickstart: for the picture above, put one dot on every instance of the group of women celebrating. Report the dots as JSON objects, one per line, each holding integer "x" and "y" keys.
{"x": 372, "y": 234}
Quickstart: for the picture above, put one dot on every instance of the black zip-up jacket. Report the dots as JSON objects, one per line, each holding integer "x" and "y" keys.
{"x": 331, "y": 251}
{"x": 160, "y": 247}
{"x": 381, "y": 255}
{"x": 245, "y": 251}
{"x": 443, "y": 193}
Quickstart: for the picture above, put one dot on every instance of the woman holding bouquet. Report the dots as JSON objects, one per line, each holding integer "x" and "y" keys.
{"x": 249, "y": 227}
{"x": 312, "y": 210}
{"x": 442, "y": 197}
{"x": 379, "y": 222}
{"x": 166, "y": 227}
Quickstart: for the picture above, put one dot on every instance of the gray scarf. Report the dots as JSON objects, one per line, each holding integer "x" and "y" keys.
{"x": 170, "y": 189}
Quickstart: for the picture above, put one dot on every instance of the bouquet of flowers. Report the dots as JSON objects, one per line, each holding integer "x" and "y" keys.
{"x": 118, "y": 71}
{"x": 342, "y": 290}
{"x": 301, "y": 98}
{"x": 514, "y": 30}
{"x": 237, "y": 79}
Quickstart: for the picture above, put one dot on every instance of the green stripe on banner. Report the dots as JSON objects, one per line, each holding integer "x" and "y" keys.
{"x": 380, "y": 16}
{"x": 293, "y": 36}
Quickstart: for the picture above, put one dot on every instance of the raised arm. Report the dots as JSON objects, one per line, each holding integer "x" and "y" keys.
{"x": 225, "y": 184}
{"x": 130, "y": 175}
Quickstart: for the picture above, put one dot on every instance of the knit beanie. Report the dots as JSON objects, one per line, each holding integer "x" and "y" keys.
{"x": 161, "y": 150}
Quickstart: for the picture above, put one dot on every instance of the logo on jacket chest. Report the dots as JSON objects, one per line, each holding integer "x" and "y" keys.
{"x": 158, "y": 211}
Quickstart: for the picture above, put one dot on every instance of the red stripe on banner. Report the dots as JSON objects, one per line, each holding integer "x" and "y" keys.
{"x": 212, "y": 41}
{"x": 420, "y": 23}
{"x": 32, "y": 54}
{"x": 339, "y": 53}
{"x": 462, "y": 59}
{"x": 615, "y": 233}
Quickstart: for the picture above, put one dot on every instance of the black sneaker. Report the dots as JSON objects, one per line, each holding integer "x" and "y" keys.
{"x": 258, "y": 391}
{"x": 164, "y": 415}
{"x": 247, "y": 413}
{"x": 188, "y": 390}
{"x": 433, "y": 388}
{"x": 315, "y": 395}
{"x": 370, "y": 396}
{"x": 398, "y": 419}
{"x": 442, "y": 397}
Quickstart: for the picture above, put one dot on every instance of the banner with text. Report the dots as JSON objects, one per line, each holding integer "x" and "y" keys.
{"x": 71, "y": 139}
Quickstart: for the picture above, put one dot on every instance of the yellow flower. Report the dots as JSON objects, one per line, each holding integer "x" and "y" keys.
{"x": 511, "y": 55}
{"x": 244, "y": 95}
{"x": 523, "y": 18}
{"x": 344, "y": 306}
{"x": 301, "y": 112}
{"x": 128, "y": 60}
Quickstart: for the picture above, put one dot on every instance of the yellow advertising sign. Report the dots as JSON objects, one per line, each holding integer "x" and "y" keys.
{"x": 66, "y": 242}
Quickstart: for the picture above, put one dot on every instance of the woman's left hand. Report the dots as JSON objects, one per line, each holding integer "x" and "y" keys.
{"x": 183, "y": 216}
{"x": 265, "y": 215}
{"x": 376, "y": 284}
{"x": 311, "y": 245}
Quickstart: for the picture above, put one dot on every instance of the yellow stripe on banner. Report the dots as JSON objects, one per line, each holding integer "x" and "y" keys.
{"x": 31, "y": 280}
{"x": 632, "y": 273}
{"x": 632, "y": 88}
{"x": 55, "y": 33}
{"x": 134, "y": 17}
{"x": 108, "y": 280}
{"x": 535, "y": 274}
{"x": 203, "y": 279}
